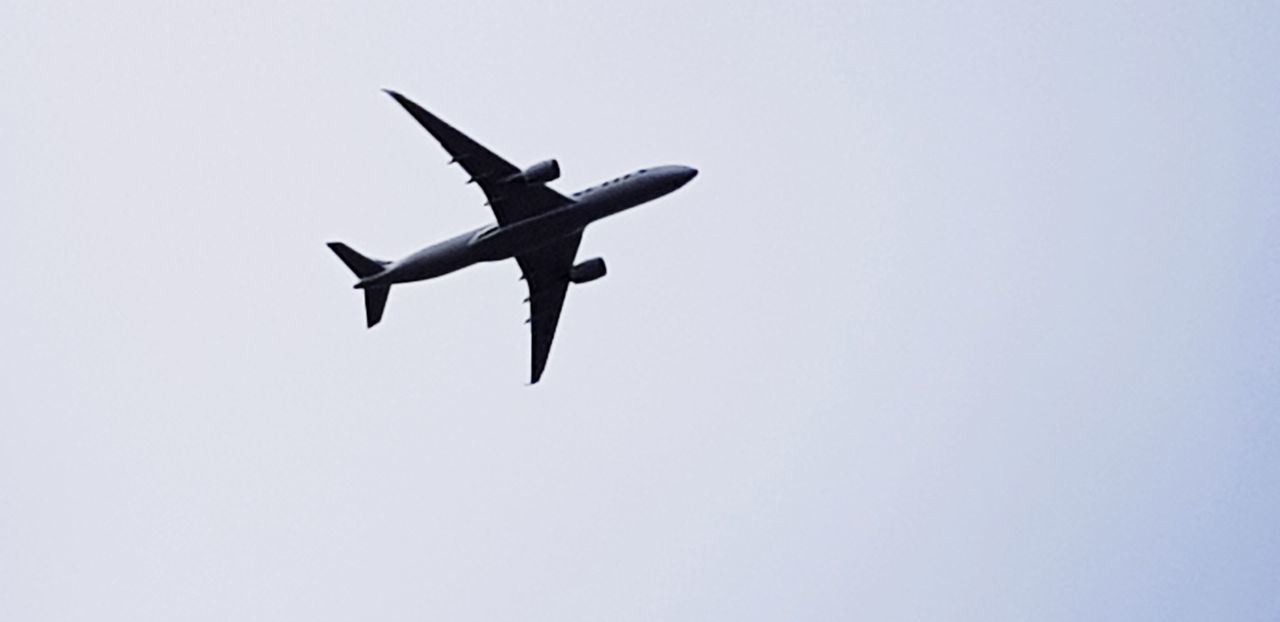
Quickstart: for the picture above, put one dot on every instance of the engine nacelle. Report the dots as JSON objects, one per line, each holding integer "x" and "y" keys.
{"x": 587, "y": 271}
{"x": 540, "y": 173}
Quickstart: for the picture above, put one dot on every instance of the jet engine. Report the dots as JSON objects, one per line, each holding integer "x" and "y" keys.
{"x": 587, "y": 271}
{"x": 540, "y": 173}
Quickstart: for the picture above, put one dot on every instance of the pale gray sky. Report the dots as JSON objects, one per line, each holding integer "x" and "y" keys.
{"x": 970, "y": 315}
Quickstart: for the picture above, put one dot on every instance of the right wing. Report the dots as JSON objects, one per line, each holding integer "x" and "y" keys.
{"x": 546, "y": 270}
{"x": 511, "y": 201}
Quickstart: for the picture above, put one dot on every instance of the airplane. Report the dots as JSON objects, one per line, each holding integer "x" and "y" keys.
{"x": 537, "y": 226}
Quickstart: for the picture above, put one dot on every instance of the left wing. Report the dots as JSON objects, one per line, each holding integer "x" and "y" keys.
{"x": 512, "y": 200}
{"x": 547, "y": 272}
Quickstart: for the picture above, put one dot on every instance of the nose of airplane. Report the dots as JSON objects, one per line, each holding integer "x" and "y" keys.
{"x": 687, "y": 173}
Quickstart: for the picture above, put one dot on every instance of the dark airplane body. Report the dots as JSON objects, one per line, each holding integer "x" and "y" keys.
{"x": 536, "y": 226}
{"x": 495, "y": 243}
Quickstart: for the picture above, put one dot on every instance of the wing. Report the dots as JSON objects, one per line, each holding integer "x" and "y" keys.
{"x": 511, "y": 201}
{"x": 547, "y": 272}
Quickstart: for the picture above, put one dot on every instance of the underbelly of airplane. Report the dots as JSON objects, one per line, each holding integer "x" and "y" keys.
{"x": 523, "y": 237}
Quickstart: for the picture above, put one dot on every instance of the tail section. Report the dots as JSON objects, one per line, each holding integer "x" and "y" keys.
{"x": 375, "y": 298}
{"x": 359, "y": 264}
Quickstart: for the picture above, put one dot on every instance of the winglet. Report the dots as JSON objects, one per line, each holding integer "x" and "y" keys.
{"x": 408, "y": 104}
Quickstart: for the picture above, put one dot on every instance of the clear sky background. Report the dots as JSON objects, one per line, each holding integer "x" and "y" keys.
{"x": 970, "y": 315}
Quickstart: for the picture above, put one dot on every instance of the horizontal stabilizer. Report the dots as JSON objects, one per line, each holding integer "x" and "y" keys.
{"x": 359, "y": 264}
{"x": 375, "y": 300}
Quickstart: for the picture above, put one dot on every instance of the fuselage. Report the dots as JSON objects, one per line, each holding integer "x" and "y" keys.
{"x": 495, "y": 243}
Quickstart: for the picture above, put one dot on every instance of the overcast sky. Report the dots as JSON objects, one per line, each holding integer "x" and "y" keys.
{"x": 970, "y": 315}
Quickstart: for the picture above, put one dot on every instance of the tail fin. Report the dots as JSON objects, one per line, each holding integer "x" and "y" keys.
{"x": 375, "y": 298}
{"x": 359, "y": 264}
